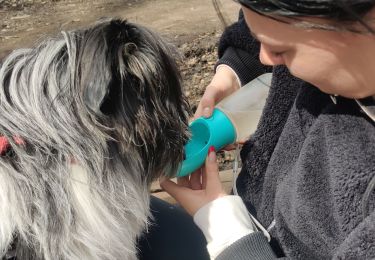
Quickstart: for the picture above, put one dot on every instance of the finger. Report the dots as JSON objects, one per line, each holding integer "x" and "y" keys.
{"x": 204, "y": 178}
{"x": 229, "y": 147}
{"x": 184, "y": 181}
{"x": 195, "y": 180}
{"x": 212, "y": 171}
{"x": 173, "y": 189}
{"x": 232, "y": 147}
{"x": 242, "y": 142}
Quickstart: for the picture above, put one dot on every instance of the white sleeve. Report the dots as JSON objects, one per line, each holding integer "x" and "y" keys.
{"x": 224, "y": 221}
{"x": 229, "y": 67}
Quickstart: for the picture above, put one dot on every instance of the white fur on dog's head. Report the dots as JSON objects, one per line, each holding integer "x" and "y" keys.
{"x": 107, "y": 98}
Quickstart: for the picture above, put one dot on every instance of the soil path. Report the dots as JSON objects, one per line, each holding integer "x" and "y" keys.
{"x": 182, "y": 20}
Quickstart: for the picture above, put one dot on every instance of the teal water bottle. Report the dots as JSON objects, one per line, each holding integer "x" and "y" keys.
{"x": 232, "y": 120}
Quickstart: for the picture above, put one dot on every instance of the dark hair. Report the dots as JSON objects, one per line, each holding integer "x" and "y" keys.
{"x": 335, "y": 10}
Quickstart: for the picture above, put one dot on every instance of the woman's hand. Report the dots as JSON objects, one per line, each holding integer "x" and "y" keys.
{"x": 195, "y": 191}
{"x": 204, "y": 186}
{"x": 224, "y": 83}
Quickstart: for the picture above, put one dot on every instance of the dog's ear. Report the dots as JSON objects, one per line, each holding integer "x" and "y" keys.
{"x": 94, "y": 96}
{"x": 94, "y": 60}
{"x": 101, "y": 61}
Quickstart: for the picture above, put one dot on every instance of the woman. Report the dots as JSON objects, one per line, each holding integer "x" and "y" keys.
{"x": 308, "y": 172}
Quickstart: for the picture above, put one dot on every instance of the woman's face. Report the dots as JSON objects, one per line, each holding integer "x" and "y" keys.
{"x": 340, "y": 63}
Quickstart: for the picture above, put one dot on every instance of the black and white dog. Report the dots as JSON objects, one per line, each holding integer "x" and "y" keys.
{"x": 90, "y": 118}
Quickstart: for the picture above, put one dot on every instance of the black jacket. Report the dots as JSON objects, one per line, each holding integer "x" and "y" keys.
{"x": 306, "y": 169}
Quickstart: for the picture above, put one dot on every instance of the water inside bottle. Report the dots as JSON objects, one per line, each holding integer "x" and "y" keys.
{"x": 244, "y": 107}
{"x": 245, "y": 122}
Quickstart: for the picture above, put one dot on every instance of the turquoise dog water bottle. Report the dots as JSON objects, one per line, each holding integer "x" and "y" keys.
{"x": 217, "y": 131}
{"x": 233, "y": 119}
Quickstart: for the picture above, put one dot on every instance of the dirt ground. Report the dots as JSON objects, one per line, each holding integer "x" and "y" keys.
{"x": 192, "y": 25}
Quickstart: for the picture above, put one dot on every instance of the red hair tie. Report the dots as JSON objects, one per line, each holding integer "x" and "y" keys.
{"x": 5, "y": 145}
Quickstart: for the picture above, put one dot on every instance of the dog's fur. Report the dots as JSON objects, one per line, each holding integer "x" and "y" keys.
{"x": 102, "y": 114}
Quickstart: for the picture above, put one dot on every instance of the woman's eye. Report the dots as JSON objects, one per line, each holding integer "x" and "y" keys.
{"x": 277, "y": 53}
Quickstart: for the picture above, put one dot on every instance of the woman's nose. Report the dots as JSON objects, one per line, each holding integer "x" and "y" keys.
{"x": 268, "y": 57}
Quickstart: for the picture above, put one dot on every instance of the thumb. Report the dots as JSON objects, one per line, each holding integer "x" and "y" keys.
{"x": 206, "y": 105}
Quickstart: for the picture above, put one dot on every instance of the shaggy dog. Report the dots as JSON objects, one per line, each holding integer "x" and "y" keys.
{"x": 89, "y": 119}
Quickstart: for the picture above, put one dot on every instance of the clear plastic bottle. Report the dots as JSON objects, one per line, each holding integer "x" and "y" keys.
{"x": 244, "y": 107}
{"x": 233, "y": 120}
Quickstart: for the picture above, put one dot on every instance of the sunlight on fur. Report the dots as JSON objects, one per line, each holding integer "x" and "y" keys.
{"x": 102, "y": 114}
